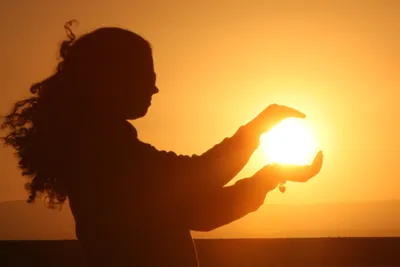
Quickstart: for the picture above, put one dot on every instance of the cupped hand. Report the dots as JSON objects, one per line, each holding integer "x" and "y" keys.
{"x": 271, "y": 116}
{"x": 297, "y": 173}
{"x": 274, "y": 174}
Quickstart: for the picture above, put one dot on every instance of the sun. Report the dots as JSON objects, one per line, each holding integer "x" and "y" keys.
{"x": 290, "y": 142}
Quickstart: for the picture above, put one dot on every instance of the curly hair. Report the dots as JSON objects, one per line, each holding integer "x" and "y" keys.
{"x": 37, "y": 125}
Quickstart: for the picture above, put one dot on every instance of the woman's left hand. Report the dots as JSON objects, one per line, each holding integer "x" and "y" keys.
{"x": 274, "y": 174}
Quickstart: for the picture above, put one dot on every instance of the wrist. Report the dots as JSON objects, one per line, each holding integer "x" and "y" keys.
{"x": 250, "y": 134}
{"x": 271, "y": 181}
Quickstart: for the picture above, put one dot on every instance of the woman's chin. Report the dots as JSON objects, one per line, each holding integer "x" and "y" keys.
{"x": 136, "y": 114}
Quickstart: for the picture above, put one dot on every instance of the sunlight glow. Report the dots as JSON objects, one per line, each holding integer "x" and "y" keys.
{"x": 289, "y": 142}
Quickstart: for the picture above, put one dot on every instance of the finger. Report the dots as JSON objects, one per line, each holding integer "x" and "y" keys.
{"x": 287, "y": 112}
{"x": 298, "y": 174}
{"x": 271, "y": 116}
{"x": 291, "y": 173}
{"x": 308, "y": 172}
{"x": 317, "y": 162}
{"x": 275, "y": 114}
{"x": 284, "y": 111}
{"x": 301, "y": 174}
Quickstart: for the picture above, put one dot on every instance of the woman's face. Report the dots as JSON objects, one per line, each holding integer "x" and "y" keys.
{"x": 135, "y": 84}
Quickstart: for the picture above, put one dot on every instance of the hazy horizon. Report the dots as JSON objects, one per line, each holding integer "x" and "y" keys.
{"x": 36, "y": 222}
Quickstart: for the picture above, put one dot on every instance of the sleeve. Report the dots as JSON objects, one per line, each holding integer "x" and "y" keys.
{"x": 215, "y": 208}
{"x": 195, "y": 184}
{"x": 212, "y": 169}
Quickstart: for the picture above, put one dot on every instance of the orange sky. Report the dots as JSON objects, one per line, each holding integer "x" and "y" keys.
{"x": 219, "y": 63}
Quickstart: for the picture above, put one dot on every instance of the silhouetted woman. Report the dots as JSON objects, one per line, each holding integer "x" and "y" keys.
{"x": 133, "y": 204}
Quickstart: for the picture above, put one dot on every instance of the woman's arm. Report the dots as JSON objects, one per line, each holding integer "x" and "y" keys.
{"x": 219, "y": 165}
{"x": 220, "y": 207}
{"x": 214, "y": 168}
{"x": 206, "y": 209}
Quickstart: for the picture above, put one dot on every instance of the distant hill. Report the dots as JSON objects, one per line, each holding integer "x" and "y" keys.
{"x": 363, "y": 219}
{"x": 20, "y": 220}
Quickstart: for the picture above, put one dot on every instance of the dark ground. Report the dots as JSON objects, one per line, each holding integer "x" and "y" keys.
{"x": 230, "y": 252}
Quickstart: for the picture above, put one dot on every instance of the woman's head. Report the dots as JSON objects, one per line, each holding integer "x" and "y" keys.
{"x": 111, "y": 71}
{"x": 105, "y": 75}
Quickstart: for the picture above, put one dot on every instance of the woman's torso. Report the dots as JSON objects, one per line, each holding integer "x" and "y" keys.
{"x": 124, "y": 214}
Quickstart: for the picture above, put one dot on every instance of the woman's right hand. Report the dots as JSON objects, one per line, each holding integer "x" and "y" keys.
{"x": 271, "y": 116}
